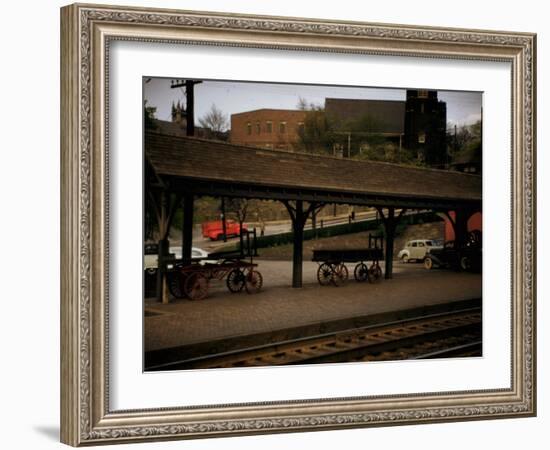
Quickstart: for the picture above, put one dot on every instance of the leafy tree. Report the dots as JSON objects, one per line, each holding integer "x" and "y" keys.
{"x": 360, "y": 134}
{"x": 388, "y": 152}
{"x": 215, "y": 120}
{"x": 316, "y": 136}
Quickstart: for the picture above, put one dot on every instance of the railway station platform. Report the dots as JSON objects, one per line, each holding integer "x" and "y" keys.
{"x": 278, "y": 312}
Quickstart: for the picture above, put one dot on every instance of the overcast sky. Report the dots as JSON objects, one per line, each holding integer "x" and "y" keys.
{"x": 235, "y": 96}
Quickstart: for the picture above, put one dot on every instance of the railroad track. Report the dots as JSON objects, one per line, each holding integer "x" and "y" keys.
{"x": 441, "y": 335}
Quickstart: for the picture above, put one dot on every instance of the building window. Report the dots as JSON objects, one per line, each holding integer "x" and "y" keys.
{"x": 421, "y": 137}
{"x": 269, "y": 126}
{"x": 301, "y": 127}
{"x": 249, "y": 128}
{"x": 282, "y": 127}
{"x": 258, "y": 128}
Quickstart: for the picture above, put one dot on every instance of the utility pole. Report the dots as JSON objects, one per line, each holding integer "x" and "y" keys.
{"x": 189, "y": 102}
{"x": 188, "y": 200}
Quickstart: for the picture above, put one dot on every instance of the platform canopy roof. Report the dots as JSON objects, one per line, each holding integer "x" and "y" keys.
{"x": 204, "y": 167}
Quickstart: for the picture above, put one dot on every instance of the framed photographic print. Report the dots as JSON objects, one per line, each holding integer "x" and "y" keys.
{"x": 275, "y": 224}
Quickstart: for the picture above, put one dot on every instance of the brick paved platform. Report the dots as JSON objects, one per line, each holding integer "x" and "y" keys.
{"x": 224, "y": 315}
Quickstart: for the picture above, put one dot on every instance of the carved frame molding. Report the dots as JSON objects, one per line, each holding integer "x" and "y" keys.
{"x": 86, "y": 32}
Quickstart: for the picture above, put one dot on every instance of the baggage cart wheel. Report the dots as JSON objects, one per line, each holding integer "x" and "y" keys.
{"x": 253, "y": 282}
{"x": 235, "y": 281}
{"x": 176, "y": 284}
{"x": 196, "y": 286}
{"x": 324, "y": 274}
{"x": 340, "y": 274}
{"x": 361, "y": 272}
{"x": 375, "y": 273}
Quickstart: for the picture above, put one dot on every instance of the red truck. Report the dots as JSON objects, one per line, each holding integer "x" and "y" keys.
{"x": 214, "y": 229}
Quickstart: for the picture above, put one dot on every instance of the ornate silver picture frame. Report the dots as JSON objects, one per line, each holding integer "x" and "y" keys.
{"x": 87, "y": 414}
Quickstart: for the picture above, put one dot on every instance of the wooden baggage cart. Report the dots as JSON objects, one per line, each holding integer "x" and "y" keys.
{"x": 332, "y": 263}
{"x": 192, "y": 280}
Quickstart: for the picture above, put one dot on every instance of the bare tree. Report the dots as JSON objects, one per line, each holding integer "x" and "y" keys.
{"x": 239, "y": 207}
{"x": 465, "y": 137}
{"x": 215, "y": 120}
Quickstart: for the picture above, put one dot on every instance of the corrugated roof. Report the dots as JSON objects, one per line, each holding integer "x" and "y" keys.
{"x": 199, "y": 159}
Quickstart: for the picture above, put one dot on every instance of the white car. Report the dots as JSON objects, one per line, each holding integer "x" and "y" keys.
{"x": 151, "y": 256}
{"x": 418, "y": 249}
{"x": 196, "y": 253}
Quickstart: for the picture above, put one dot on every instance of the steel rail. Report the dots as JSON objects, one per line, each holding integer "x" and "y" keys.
{"x": 320, "y": 347}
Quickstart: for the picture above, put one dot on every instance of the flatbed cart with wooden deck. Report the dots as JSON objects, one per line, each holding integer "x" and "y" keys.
{"x": 332, "y": 263}
{"x": 192, "y": 280}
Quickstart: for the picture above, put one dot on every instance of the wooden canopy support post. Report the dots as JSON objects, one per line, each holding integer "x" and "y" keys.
{"x": 314, "y": 223}
{"x": 460, "y": 224}
{"x": 296, "y": 214}
{"x": 162, "y": 294}
{"x": 187, "y": 234}
{"x": 299, "y": 218}
{"x": 165, "y": 206}
{"x": 390, "y": 222}
{"x": 298, "y": 252}
{"x": 451, "y": 220}
{"x": 224, "y": 220}
{"x": 163, "y": 247}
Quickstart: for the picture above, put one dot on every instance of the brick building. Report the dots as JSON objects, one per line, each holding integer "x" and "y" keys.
{"x": 418, "y": 124}
{"x": 267, "y": 128}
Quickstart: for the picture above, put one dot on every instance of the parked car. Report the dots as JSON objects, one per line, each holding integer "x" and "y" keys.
{"x": 151, "y": 256}
{"x": 196, "y": 253}
{"x": 417, "y": 249}
{"x": 467, "y": 257}
{"x": 214, "y": 229}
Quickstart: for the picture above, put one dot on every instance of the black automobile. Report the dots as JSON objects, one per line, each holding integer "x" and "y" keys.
{"x": 452, "y": 256}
